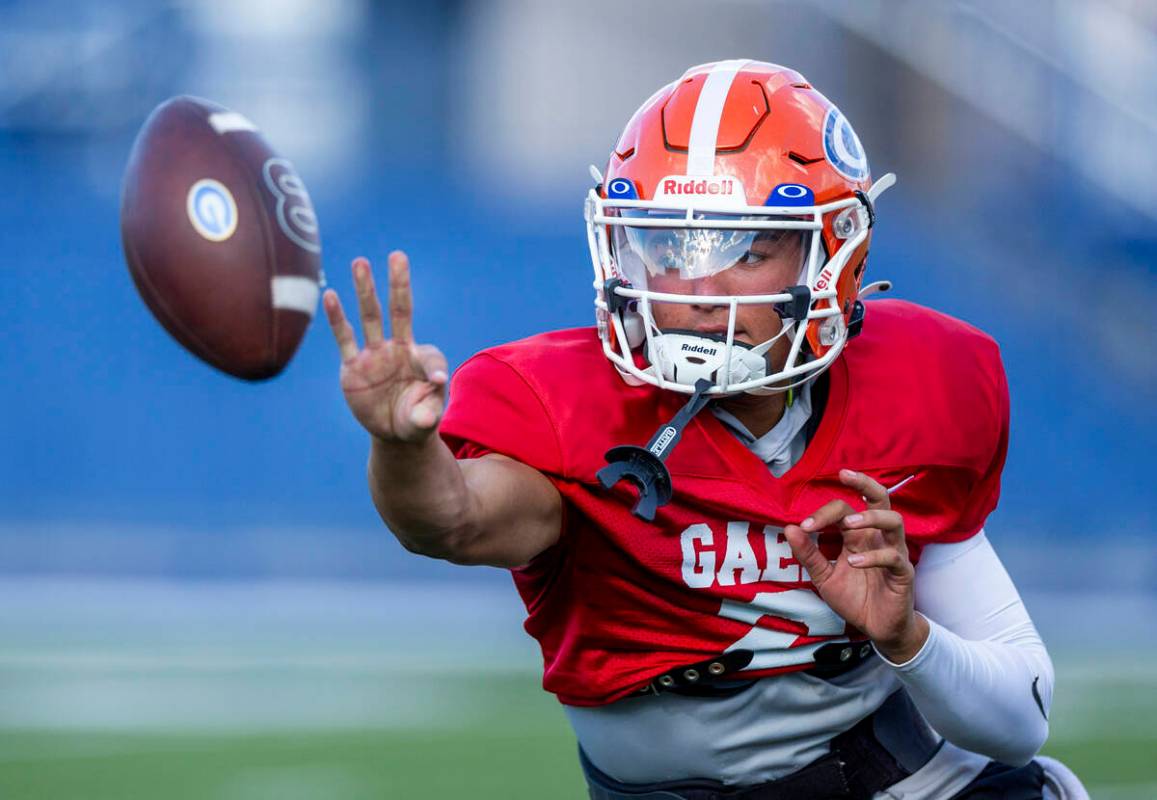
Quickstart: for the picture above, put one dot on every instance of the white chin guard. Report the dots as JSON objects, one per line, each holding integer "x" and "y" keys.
{"x": 688, "y": 357}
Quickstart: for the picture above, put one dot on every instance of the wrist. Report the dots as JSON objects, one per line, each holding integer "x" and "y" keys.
{"x": 398, "y": 466}
{"x": 402, "y": 448}
{"x": 904, "y": 647}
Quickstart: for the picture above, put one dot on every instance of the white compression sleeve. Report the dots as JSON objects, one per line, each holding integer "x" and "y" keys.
{"x": 983, "y": 679}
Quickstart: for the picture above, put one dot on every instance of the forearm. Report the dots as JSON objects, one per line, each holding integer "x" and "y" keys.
{"x": 980, "y": 695}
{"x": 420, "y": 493}
{"x": 983, "y": 678}
{"x": 489, "y": 510}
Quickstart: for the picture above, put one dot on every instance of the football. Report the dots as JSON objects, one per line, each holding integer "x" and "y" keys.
{"x": 220, "y": 237}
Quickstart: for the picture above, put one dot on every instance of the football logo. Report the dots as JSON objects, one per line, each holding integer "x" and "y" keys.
{"x": 211, "y": 210}
{"x": 295, "y": 214}
{"x": 842, "y": 147}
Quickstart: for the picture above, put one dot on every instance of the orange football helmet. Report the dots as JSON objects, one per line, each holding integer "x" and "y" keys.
{"x": 731, "y": 162}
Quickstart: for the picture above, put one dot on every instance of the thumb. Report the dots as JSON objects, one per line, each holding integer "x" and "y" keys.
{"x": 431, "y": 363}
{"x": 427, "y": 412}
{"x": 808, "y": 554}
{"x": 417, "y": 411}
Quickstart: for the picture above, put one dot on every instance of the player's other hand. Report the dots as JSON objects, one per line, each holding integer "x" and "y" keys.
{"x": 395, "y": 388}
{"x": 871, "y": 584}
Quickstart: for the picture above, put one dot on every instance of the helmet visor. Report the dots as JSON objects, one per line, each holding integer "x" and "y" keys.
{"x": 667, "y": 258}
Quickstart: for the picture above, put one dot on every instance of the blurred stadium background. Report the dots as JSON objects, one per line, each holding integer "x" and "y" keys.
{"x": 196, "y": 597}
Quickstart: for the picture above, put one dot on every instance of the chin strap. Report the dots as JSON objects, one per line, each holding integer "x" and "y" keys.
{"x": 856, "y": 323}
{"x": 644, "y": 467}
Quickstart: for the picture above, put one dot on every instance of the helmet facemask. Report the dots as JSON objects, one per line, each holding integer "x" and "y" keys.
{"x": 651, "y": 254}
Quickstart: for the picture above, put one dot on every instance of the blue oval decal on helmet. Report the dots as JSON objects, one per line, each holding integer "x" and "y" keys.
{"x": 791, "y": 194}
{"x": 842, "y": 147}
{"x": 621, "y": 189}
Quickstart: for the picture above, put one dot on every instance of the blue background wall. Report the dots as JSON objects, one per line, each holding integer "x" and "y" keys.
{"x": 107, "y": 426}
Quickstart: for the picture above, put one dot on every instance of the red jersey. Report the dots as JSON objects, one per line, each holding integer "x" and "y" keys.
{"x": 917, "y": 397}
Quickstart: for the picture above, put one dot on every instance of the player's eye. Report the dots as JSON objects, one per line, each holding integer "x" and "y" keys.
{"x": 765, "y": 246}
{"x": 769, "y": 240}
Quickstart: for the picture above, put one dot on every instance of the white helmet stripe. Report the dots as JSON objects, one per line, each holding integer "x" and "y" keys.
{"x": 708, "y": 112}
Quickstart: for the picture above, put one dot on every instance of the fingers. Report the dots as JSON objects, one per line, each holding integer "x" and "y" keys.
{"x": 888, "y": 522}
{"x": 874, "y": 494}
{"x": 401, "y": 302}
{"x": 368, "y": 306}
{"x": 883, "y": 558}
{"x": 808, "y": 554}
{"x": 343, "y": 332}
{"x": 829, "y": 514}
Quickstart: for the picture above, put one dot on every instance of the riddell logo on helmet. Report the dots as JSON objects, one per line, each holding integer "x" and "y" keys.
{"x": 704, "y": 186}
{"x": 723, "y": 188}
{"x": 824, "y": 279}
{"x": 698, "y": 348}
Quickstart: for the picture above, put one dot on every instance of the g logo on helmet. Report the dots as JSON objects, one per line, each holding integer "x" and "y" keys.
{"x": 295, "y": 214}
{"x": 842, "y": 147}
{"x": 211, "y": 209}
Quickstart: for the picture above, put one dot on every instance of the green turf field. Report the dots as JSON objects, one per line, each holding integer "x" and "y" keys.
{"x": 514, "y": 745}
{"x": 223, "y": 694}
{"x": 520, "y": 748}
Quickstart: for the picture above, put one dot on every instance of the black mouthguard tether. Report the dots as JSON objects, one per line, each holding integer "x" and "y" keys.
{"x": 644, "y": 467}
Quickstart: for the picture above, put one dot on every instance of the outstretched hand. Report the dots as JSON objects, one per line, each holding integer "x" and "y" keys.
{"x": 871, "y": 583}
{"x": 395, "y": 388}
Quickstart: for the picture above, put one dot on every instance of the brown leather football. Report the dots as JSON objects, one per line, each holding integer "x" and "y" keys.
{"x": 220, "y": 237}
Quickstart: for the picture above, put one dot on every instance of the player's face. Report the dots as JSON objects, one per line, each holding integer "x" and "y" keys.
{"x": 771, "y": 261}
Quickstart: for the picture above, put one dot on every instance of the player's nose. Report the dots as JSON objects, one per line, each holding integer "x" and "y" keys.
{"x": 709, "y": 286}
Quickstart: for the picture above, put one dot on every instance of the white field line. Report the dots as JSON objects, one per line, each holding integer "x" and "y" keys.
{"x": 73, "y": 662}
{"x": 1072, "y": 676}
